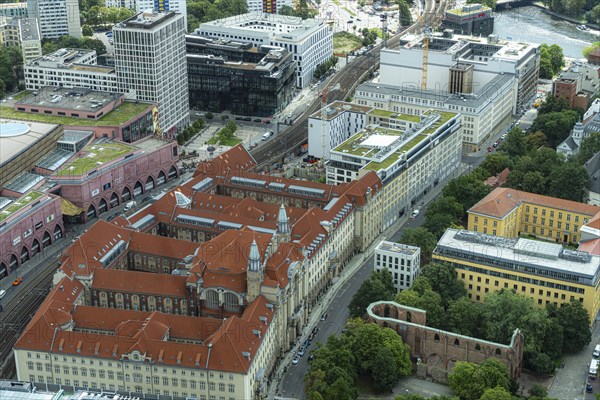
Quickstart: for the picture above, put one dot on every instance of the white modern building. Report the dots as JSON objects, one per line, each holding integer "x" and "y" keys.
{"x": 130, "y": 4}
{"x": 70, "y": 68}
{"x": 484, "y": 112}
{"x": 267, "y": 6}
{"x": 463, "y": 64}
{"x": 150, "y": 60}
{"x": 161, "y": 6}
{"x": 309, "y": 40}
{"x": 402, "y": 260}
{"x": 30, "y": 38}
{"x": 56, "y": 17}
{"x": 410, "y": 154}
{"x": 332, "y": 125}
{"x": 10, "y": 10}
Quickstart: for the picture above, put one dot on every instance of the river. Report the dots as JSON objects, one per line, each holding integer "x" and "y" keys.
{"x": 530, "y": 24}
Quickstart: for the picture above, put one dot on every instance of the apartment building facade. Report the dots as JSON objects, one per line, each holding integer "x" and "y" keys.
{"x": 150, "y": 61}
{"x": 56, "y": 17}
{"x": 401, "y": 260}
{"x": 310, "y": 40}
{"x": 546, "y": 272}
{"x": 510, "y": 213}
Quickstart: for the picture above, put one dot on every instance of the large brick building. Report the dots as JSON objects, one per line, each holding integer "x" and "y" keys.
{"x": 172, "y": 307}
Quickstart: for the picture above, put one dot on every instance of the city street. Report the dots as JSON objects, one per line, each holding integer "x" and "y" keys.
{"x": 292, "y": 384}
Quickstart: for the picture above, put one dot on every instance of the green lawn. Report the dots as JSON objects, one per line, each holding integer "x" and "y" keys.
{"x": 22, "y": 95}
{"x": 23, "y": 201}
{"x": 229, "y": 142}
{"x": 118, "y": 116}
{"x": 346, "y": 43}
{"x": 96, "y": 155}
{"x": 388, "y": 114}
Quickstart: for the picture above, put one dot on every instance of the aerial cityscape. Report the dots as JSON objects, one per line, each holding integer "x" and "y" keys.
{"x": 299, "y": 199}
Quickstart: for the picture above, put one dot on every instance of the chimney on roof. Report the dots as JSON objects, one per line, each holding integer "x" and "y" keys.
{"x": 179, "y": 355}
{"x": 79, "y": 343}
{"x": 61, "y": 344}
{"x": 97, "y": 349}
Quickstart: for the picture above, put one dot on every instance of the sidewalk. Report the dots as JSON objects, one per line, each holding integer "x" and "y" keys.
{"x": 357, "y": 262}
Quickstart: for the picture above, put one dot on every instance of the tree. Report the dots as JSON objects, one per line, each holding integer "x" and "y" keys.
{"x": 502, "y": 314}
{"x": 468, "y": 189}
{"x": 589, "y": 146}
{"x": 553, "y": 104}
{"x": 536, "y": 140}
{"x": 383, "y": 370}
{"x": 465, "y": 317}
{"x": 594, "y": 46}
{"x": 443, "y": 213}
{"x": 463, "y": 383}
{"x": 575, "y": 321}
{"x": 546, "y": 71}
{"x": 421, "y": 238}
{"x": 569, "y": 182}
{"x": 2, "y": 89}
{"x": 552, "y": 59}
{"x": 497, "y": 393}
{"x": 443, "y": 279}
{"x": 555, "y": 125}
{"x": 495, "y": 163}
{"x": 86, "y": 30}
{"x": 404, "y": 14}
{"x": 538, "y": 390}
{"x": 377, "y": 288}
{"x": 515, "y": 144}
{"x": 421, "y": 296}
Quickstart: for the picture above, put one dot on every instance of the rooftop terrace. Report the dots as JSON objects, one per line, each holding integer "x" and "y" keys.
{"x": 390, "y": 114}
{"x": 356, "y": 144}
{"x": 94, "y": 156}
{"x": 117, "y": 117}
{"x": 17, "y": 205}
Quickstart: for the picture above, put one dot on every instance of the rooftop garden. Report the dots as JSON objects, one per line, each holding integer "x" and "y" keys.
{"x": 388, "y": 114}
{"x": 118, "y": 116}
{"x": 17, "y": 205}
{"x": 93, "y": 156}
{"x": 459, "y": 11}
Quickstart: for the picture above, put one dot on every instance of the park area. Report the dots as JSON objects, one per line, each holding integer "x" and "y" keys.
{"x": 344, "y": 43}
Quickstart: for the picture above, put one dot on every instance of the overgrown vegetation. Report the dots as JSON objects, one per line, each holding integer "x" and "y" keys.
{"x": 345, "y": 42}
{"x": 200, "y": 11}
{"x": 551, "y": 60}
{"x": 11, "y": 61}
{"x": 365, "y": 349}
{"x": 190, "y": 131}
{"x": 51, "y": 45}
{"x": 324, "y": 67}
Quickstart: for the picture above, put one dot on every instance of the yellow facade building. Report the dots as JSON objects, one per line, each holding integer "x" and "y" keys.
{"x": 545, "y": 272}
{"x": 510, "y": 213}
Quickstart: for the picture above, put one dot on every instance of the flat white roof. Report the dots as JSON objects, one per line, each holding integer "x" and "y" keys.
{"x": 379, "y": 141}
{"x": 13, "y": 146}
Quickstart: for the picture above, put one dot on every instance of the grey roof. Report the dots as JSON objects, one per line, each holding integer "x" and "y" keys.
{"x": 487, "y": 92}
{"x": 53, "y": 160}
{"x": 29, "y": 29}
{"x": 593, "y": 168}
{"x": 570, "y": 142}
{"x": 23, "y": 182}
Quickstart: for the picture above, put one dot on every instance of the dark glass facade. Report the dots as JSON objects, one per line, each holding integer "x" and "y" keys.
{"x": 139, "y": 128}
{"x": 236, "y": 77}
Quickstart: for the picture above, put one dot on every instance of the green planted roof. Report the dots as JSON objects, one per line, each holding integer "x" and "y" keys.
{"x": 94, "y": 156}
{"x": 21, "y": 202}
{"x": 116, "y": 117}
{"x": 390, "y": 114}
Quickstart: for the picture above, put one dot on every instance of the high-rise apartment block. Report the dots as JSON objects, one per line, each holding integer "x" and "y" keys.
{"x": 56, "y": 17}
{"x": 267, "y": 6}
{"x": 150, "y": 61}
{"x": 30, "y": 38}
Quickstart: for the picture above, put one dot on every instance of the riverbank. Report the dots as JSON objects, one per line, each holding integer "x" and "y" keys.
{"x": 563, "y": 17}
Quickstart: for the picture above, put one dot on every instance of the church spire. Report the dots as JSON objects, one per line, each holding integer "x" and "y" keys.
{"x": 282, "y": 221}
{"x": 254, "y": 258}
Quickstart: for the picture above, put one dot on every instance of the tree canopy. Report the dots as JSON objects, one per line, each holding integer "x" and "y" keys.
{"x": 366, "y": 349}
{"x": 10, "y": 61}
{"x": 420, "y": 237}
{"x": 51, "y": 45}
{"x": 200, "y": 11}
{"x": 470, "y": 381}
{"x": 378, "y": 287}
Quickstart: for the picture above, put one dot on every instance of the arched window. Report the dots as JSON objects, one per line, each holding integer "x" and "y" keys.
{"x": 456, "y": 342}
{"x": 436, "y": 337}
{"x": 498, "y": 352}
{"x": 212, "y": 299}
{"x": 477, "y": 347}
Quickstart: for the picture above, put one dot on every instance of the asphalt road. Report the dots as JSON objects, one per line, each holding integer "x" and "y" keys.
{"x": 293, "y": 381}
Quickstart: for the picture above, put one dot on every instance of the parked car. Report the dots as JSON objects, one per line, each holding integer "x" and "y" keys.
{"x": 415, "y": 213}
{"x": 324, "y": 317}
{"x": 589, "y": 388}
{"x": 302, "y": 351}
{"x": 2, "y": 293}
{"x": 17, "y": 281}
{"x": 490, "y": 149}
{"x": 296, "y": 360}
{"x": 315, "y": 330}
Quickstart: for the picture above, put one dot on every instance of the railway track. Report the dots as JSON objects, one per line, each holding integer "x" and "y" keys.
{"x": 18, "y": 312}
{"x": 291, "y": 138}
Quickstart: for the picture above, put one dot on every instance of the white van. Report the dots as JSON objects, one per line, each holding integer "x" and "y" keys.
{"x": 130, "y": 205}
{"x": 596, "y": 352}
{"x": 267, "y": 135}
{"x": 415, "y": 213}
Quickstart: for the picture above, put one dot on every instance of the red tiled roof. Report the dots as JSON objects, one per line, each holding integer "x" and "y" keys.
{"x": 235, "y": 159}
{"x": 139, "y": 282}
{"x": 502, "y": 201}
{"x": 234, "y": 343}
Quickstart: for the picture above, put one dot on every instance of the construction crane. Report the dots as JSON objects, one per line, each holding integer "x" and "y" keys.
{"x": 427, "y": 36}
